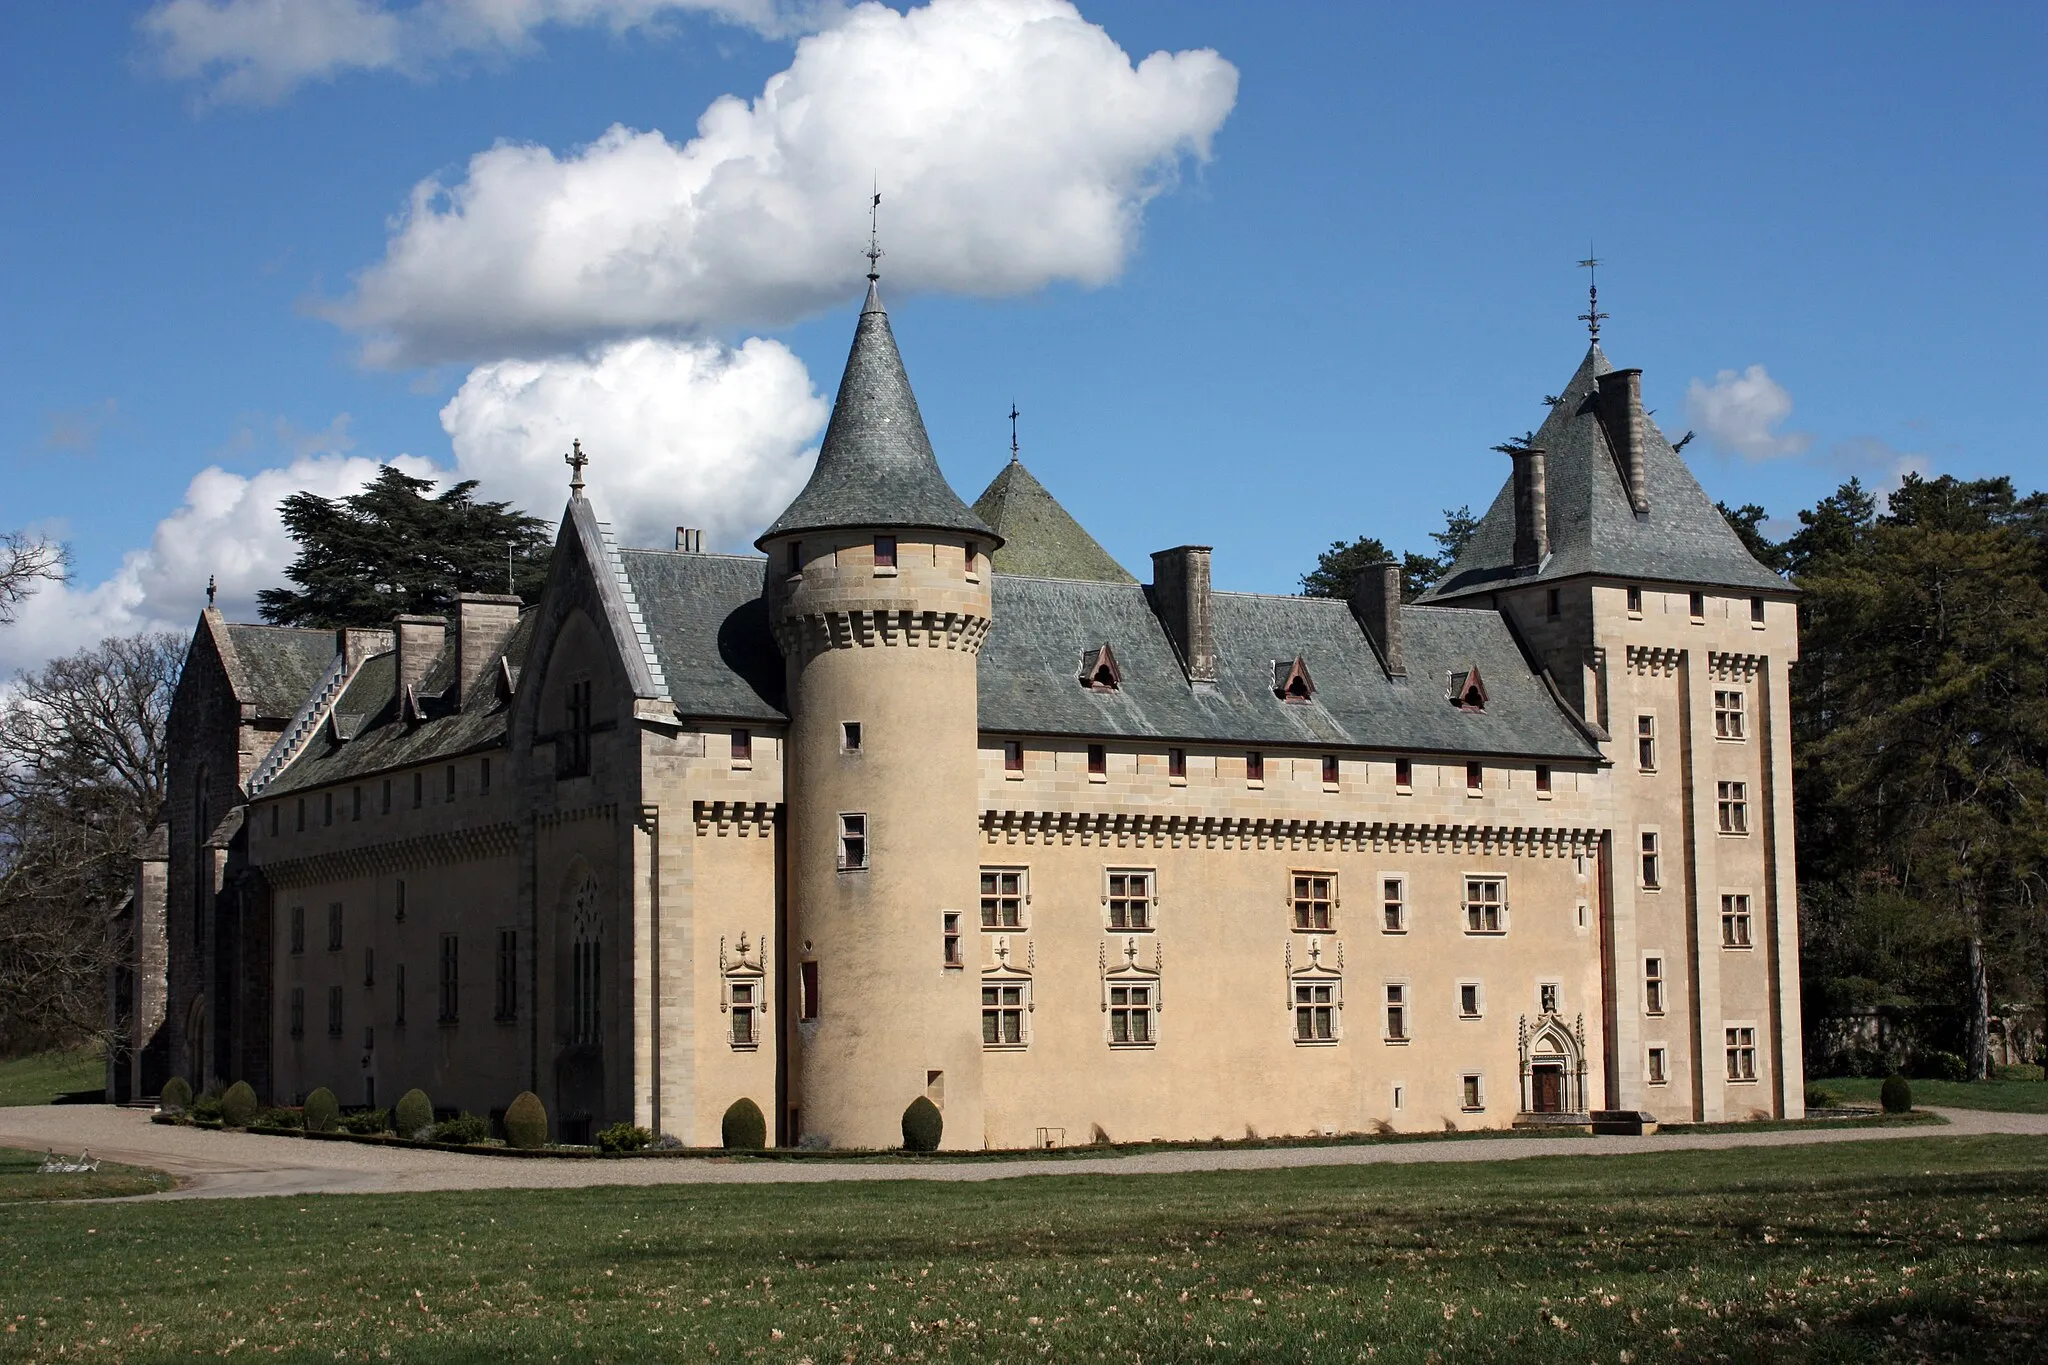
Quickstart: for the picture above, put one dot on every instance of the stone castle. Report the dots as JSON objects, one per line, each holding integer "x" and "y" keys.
{"x": 930, "y": 799}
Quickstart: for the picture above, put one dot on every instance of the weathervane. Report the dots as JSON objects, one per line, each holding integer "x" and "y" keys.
{"x": 874, "y": 251}
{"x": 1013, "y": 433}
{"x": 1592, "y": 316}
{"x": 576, "y": 459}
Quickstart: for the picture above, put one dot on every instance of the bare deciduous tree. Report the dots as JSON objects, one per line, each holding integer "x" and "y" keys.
{"x": 26, "y": 563}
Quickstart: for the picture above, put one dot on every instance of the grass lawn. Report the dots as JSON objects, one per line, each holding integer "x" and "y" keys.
{"x": 2010, "y": 1097}
{"x": 44, "y": 1076}
{"x": 1905, "y": 1249}
{"x": 19, "y": 1179}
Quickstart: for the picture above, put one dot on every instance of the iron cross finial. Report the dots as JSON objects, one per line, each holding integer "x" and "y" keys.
{"x": 1592, "y": 316}
{"x": 1013, "y": 431}
{"x": 576, "y": 459}
{"x": 209, "y": 590}
{"x": 874, "y": 251}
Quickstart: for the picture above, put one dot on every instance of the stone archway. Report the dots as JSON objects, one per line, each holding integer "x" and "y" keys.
{"x": 1553, "y": 1066}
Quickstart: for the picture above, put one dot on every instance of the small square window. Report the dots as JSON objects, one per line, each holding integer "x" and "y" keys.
{"x": 1731, "y": 719}
{"x": 1330, "y": 770}
{"x": 1485, "y": 905}
{"x": 1404, "y": 774}
{"x": 885, "y": 552}
{"x": 1315, "y": 1012}
{"x": 1003, "y": 897}
{"x": 1315, "y": 894}
{"x": 1468, "y": 999}
{"x": 1254, "y": 766}
{"x": 853, "y": 842}
{"x": 1696, "y": 605}
{"x": 1177, "y": 763}
{"x": 1635, "y": 601}
{"x": 742, "y": 746}
{"x": 1393, "y": 906}
{"x": 1543, "y": 779}
{"x": 849, "y": 736}
{"x": 1098, "y": 760}
{"x": 1130, "y": 900}
{"x": 1013, "y": 756}
{"x": 1130, "y": 1016}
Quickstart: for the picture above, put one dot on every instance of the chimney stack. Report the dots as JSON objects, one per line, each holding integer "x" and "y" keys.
{"x": 1376, "y": 602}
{"x": 1621, "y": 412}
{"x": 483, "y": 622}
{"x": 1532, "y": 506}
{"x": 361, "y": 642}
{"x": 690, "y": 540}
{"x": 1180, "y": 594}
{"x": 420, "y": 642}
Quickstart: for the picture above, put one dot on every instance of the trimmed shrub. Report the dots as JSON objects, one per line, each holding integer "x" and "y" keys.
{"x": 238, "y": 1105}
{"x": 624, "y": 1137}
{"x": 415, "y": 1113}
{"x": 1819, "y": 1098}
{"x": 323, "y": 1111}
{"x": 1936, "y": 1065}
{"x": 1896, "y": 1095}
{"x": 526, "y": 1122}
{"x": 367, "y": 1122}
{"x": 743, "y": 1126}
{"x": 922, "y": 1126}
{"x": 465, "y": 1129}
{"x": 205, "y": 1108}
{"x": 279, "y": 1118}
{"x": 177, "y": 1095}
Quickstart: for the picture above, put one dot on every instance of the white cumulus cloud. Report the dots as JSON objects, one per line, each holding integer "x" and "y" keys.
{"x": 678, "y": 434}
{"x": 1015, "y": 143}
{"x": 1741, "y": 413}
{"x": 261, "y": 50}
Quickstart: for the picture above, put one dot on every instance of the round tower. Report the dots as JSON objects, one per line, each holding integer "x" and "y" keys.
{"x": 878, "y": 593}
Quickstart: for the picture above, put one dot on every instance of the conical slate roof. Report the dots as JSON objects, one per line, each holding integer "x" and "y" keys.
{"x": 1593, "y": 529}
{"x": 876, "y": 467}
{"x": 1040, "y": 538}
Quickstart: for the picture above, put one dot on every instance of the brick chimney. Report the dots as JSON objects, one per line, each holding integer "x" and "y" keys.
{"x": 1376, "y": 602}
{"x": 1621, "y": 413}
{"x": 1532, "y": 506}
{"x": 420, "y": 642}
{"x": 483, "y": 622}
{"x": 1180, "y": 594}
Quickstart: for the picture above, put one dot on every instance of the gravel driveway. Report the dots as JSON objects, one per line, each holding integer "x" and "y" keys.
{"x": 215, "y": 1165}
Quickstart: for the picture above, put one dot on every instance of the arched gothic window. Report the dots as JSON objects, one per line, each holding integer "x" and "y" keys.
{"x": 586, "y": 979}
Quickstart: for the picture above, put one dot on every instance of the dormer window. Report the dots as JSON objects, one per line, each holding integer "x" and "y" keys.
{"x": 1291, "y": 681}
{"x": 1468, "y": 691}
{"x": 1099, "y": 671}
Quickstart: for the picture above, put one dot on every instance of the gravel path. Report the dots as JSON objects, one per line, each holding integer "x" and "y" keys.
{"x": 214, "y": 1165}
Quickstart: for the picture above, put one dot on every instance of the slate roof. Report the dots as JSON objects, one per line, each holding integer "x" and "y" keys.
{"x": 709, "y": 625}
{"x": 381, "y": 740}
{"x": 1043, "y": 628}
{"x": 1593, "y": 530}
{"x": 1040, "y": 537}
{"x": 876, "y": 467}
{"x": 280, "y": 666}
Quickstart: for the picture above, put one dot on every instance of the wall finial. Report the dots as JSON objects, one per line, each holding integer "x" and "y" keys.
{"x": 576, "y": 459}
{"x": 1592, "y": 316}
{"x": 874, "y": 251}
{"x": 209, "y": 590}
{"x": 1013, "y": 433}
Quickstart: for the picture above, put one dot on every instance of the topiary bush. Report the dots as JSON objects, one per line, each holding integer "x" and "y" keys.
{"x": 415, "y": 1113}
{"x": 465, "y": 1129}
{"x": 526, "y": 1122}
{"x": 205, "y": 1108}
{"x": 367, "y": 1122}
{"x": 922, "y": 1126}
{"x": 176, "y": 1097}
{"x": 238, "y": 1105}
{"x": 743, "y": 1127}
{"x": 1896, "y": 1095}
{"x": 323, "y": 1111}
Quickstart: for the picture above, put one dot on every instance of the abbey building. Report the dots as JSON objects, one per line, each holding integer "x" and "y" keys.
{"x": 931, "y": 799}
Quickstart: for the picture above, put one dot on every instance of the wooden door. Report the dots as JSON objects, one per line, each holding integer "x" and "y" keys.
{"x": 1546, "y": 1089}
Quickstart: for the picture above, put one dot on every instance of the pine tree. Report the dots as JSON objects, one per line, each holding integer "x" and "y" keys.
{"x": 393, "y": 550}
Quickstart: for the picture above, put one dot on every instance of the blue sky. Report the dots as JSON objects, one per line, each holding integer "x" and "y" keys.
{"x": 1340, "y": 265}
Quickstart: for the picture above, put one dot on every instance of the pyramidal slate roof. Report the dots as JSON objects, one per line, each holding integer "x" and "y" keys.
{"x": 876, "y": 467}
{"x": 1040, "y": 537}
{"x": 1593, "y": 530}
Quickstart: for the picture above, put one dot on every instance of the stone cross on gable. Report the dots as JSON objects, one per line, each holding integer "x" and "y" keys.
{"x": 576, "y": 459}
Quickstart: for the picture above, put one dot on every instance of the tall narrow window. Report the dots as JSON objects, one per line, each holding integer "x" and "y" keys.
{"x": 1741, "y": 1054}
{"x": 298, "y": 939}
{"x": 398, "y": 995}
{"x": 1735, "y": 921}
{"x": 1732, "y": 804}
{"x": 1404, "y": 774}
{"x": 1472, "y": 1095}
{"x": 419, "y": 790}
{"x": 1002, "y": 898}
{"x": 796, "y": 556}
{"x": 576, "y": 759}
{"x": 742, "y": 746}
{"x": 1652, "y": 864}
{"x": 1730, "y": 722}
{"x": 973, "y": 557}
{"x": 326, "y": 808}
{"x": 1635, "y": 601}
{"x": 1546, "y": 997}
{"x": 1653, "y": 985}
{"x": 1002, "y": 1014}
{"x": 1130, "y": 900}
{"x": 1475, "y": 777}
{"x": 1552, "y": 607}
{"x": 369, "y": 966}
{"x": 1646, "y": 743}
{"x": 1130, "y": 1016}
{"x": 586, "y": 965}
{"x": 451, "y": 981}
{"x": 301, "y": 818}
{"x": 1177, "y": 763}
{"x": 744, "y": 1032}
{"x": 949, "y": 936}
{"x": 1013, "y": 755}
{"x": 1393, "y": 906}
{"x": 1314, "y": 894}
{"x": 273, "y": 819}
{"x": 1098, "y": 760}
{"x": 1756, "y": 611}
{"x": 334, "y": 1002}
{"x": 334, "y": 927}
{"x": 450, "y": 782}
{"x": 885, "y": 552}
{"x": 849, "y": 736}
{"x": 1329, "y": 770}
{"x": 1315, "y": 1012}
{"x": 508, "y": 975}
{"x": 386, "y": 810}
{"x": 807, "y": 992}
{"x": 1657, "y": 1073}
{"x": 1468, "y": 999}
{"x": 355, "y": 803}
{"x": 1543, "y": 779}
{"x": 1397, "y": 1013}
{"x": 1485, "y": 905}
{"x": 853, "y": 842}
{"x": 483, "y": 775}
{"x": 1254, "y": 766}
{"x": 398, "y": 900}
{"x": 1696, "y": 606}
{"x": 298, "y": 1011}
